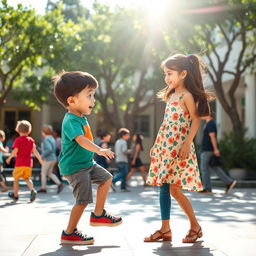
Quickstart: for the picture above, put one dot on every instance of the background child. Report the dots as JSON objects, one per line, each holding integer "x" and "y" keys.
{"x": 173, "y": 159}
{"x": 48, "y": 154}
{"x": 136, "y": 162}
{"x": 75, "y": 91}
{"x": 105, "y": 139}
{"x": 23, "y": 147}
{"x": 122, "y": 152}
{"x": 2, "y": 150}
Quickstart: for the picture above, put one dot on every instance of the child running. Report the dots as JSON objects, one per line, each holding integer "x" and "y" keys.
{"x": 2, "y": 150}
{"x": 23, "y": 147}
{"x": 173, "y": 160}
{"x": 75, "y": 91}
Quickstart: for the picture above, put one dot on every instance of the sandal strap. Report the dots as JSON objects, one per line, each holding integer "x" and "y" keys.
{"x": 158, "y": 237}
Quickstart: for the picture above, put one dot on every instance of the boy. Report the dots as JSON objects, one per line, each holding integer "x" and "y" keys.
{"x": 75, "y": 91}
{"x": 23, "y": 147}
{"x": 122, "y": 158}
{"x": 2, "y": 150}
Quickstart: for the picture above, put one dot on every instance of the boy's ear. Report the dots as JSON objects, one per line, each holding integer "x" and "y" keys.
{"x": 70, "y": 100}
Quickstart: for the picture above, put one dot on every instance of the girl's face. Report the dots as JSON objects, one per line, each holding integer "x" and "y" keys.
{"x": 134, "y": 138}
{"x": 173, "y": 78}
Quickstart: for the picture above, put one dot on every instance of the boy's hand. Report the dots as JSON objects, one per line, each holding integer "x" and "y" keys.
{"x": 106, "y": 152}
{"x": 8, "y": 160}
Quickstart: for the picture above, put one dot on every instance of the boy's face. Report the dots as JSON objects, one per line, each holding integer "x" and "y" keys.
{"x": 83, "y": 102}
{"x": 126, "y": 136}
{"x": 107, "y": 138}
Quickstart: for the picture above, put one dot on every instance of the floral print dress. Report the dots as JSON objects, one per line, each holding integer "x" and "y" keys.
{"x": 166, "y": 167}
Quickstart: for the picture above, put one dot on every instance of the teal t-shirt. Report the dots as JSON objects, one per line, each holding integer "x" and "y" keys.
{"x": 73, "y": 157}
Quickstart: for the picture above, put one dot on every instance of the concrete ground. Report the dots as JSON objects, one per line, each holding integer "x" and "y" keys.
{"x": 228, "y": 223}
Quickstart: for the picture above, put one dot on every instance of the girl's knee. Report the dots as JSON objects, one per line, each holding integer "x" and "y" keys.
{"x": 175, "y": 191}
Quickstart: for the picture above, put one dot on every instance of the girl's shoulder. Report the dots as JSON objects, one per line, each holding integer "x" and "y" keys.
{"x": 187, "y": 96}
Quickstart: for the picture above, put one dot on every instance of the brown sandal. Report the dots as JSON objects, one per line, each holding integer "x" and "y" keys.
{"x": 192, "y": 236}
{"x": 162, "y": 236}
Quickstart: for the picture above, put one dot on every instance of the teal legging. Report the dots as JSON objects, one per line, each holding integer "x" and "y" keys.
{"x": 165, "y": 201}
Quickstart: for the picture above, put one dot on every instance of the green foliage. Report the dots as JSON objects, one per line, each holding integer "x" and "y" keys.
{"x": 238, "y": 151}
{"x": 27, "y": 40}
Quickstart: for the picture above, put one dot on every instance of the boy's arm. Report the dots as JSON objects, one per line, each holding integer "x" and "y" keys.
{"x": 125, "y": 150}
{"x": 89, "y": 145}
{"x": 13, "y": 153}
{"x": 36, "y": 153}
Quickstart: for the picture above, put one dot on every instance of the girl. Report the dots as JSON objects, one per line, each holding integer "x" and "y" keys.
{"x": 135, "y": 160}
{"x": 49, "y": 157}
{"x": 173, "y": 160}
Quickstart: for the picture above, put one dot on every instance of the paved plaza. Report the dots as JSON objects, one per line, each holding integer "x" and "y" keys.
{"x": 228, "y": 223}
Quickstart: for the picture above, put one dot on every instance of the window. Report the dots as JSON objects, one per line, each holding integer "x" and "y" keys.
{"x": 142, "y": 125}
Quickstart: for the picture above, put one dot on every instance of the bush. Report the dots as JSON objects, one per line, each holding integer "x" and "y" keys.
{"x": 238, "y": 151}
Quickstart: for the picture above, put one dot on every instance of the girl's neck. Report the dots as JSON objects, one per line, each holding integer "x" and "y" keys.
{"x": 180, "y": 90}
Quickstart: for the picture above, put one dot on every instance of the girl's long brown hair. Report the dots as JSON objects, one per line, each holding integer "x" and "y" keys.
{"x": 193, "y": 81}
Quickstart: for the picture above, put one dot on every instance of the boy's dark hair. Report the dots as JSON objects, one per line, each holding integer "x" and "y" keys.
{"x": 68, "y": 84}
{"x": 122, "y": 132}
{"x": 23, "y": 126}
{"x": 104, "y": 134}
{"x": 2, "y": 134}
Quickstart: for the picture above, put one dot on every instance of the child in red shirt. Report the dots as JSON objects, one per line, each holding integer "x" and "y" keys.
{"x": 23, "y": 147}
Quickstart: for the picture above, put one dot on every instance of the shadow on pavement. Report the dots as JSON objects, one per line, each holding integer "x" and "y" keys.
{"x": 197, "y": 249}
{"x": 67, "y": 250}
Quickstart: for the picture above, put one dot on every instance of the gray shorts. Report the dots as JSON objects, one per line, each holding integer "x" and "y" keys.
{"x": 81, "y": 182}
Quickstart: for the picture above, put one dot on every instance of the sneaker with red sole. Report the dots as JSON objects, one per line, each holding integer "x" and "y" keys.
{"x": 76, "y": 238}
{"x": 105, "y": 219}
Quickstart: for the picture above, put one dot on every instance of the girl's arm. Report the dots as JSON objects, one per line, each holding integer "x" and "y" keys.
{"x": 191, "y": 107}
{"x": 13, "y": 153}
{"x": 4, "y": 150}
{"x": 37, "y": 155}
{"x": 89, "y": 145}
{"x": 137, "y": 150}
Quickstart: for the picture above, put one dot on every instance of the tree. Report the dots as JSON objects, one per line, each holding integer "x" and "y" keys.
{"x": 233, "y": 23}
{"x": 117, "y": 48}
{"x": 71, "y": 9}
{"x": 26, "y": 41}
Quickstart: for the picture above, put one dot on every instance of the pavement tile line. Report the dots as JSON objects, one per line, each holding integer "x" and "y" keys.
{"x": 29, "y": 245}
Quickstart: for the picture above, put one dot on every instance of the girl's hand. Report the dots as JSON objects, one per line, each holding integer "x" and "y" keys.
{"x": 106, "y": 152}
{"x": 151, "y": 152}
{"x": 133, "y": 162}
{"x": 184, "y": 151}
